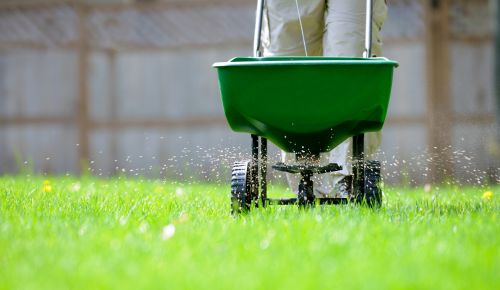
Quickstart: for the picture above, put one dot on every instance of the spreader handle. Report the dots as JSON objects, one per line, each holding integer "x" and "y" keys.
{"x": 368, "y": 29}
{"x": 258, "y": 28}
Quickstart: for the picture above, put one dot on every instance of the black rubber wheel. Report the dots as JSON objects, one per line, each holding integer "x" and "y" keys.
{"x": 373, "y": 192}
{"x": 243, "y": 187}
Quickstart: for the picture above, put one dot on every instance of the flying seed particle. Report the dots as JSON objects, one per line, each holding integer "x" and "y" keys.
{"x": 168, "y": 232}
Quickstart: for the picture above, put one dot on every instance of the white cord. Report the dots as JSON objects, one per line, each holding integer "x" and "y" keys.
{"x": 301, "y": 27}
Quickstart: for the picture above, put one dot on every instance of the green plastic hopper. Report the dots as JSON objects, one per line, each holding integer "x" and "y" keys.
{"x": 305, "y": 104}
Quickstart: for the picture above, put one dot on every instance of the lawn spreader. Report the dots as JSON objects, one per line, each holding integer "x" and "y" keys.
{"x": 305, "y": 105}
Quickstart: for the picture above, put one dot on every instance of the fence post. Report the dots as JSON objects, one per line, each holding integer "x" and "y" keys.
{"x": 497, "y": 69}
{"x": 83, "y": 71}
{"x": 494, "y": 174}
{"x": 439, "y": 102}
{"x": 113, "y": 105}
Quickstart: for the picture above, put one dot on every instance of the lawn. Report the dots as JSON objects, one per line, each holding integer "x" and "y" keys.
{"x": 68, "y": 233}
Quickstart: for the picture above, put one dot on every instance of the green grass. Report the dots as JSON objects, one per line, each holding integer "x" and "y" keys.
{"x": 108, "y": 234}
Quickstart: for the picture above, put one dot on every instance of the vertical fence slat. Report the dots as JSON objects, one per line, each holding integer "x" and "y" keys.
{"x": 440, "y": 115}
{"x": 83, "y": 76}
{"x": 497, "y": 69}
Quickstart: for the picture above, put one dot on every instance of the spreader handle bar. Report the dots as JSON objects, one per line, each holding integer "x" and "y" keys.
{"x": 368, "y": 29}
{"x": 258, "y": 28}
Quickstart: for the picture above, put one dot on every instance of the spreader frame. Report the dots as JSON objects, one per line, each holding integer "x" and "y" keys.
{"x": 305, "y": 196}
{"x": 256, "y": 183}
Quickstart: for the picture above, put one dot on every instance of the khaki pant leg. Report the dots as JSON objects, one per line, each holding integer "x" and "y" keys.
{"x": 281, "y": 33}
{"x": 345, "y": 27}
{"x": 344, "y": 36}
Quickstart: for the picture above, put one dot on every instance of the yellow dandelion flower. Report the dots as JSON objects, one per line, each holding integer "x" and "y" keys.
{"x": 46, "y": 182}
{"x": 487, "y": 195}
{"x": 158, "y": 189}
{"x": 46, "y": 186}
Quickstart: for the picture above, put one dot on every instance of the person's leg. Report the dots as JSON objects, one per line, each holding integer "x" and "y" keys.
{"x": 345, "y": 27}
{"x": 281, "y": 36}
{"x": 344, "y": 36}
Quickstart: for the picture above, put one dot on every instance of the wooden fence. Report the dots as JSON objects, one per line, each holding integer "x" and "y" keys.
{"x": 101, "y": 72}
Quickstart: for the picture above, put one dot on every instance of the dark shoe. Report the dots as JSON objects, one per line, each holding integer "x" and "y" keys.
{"x": 343, "y": 188}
